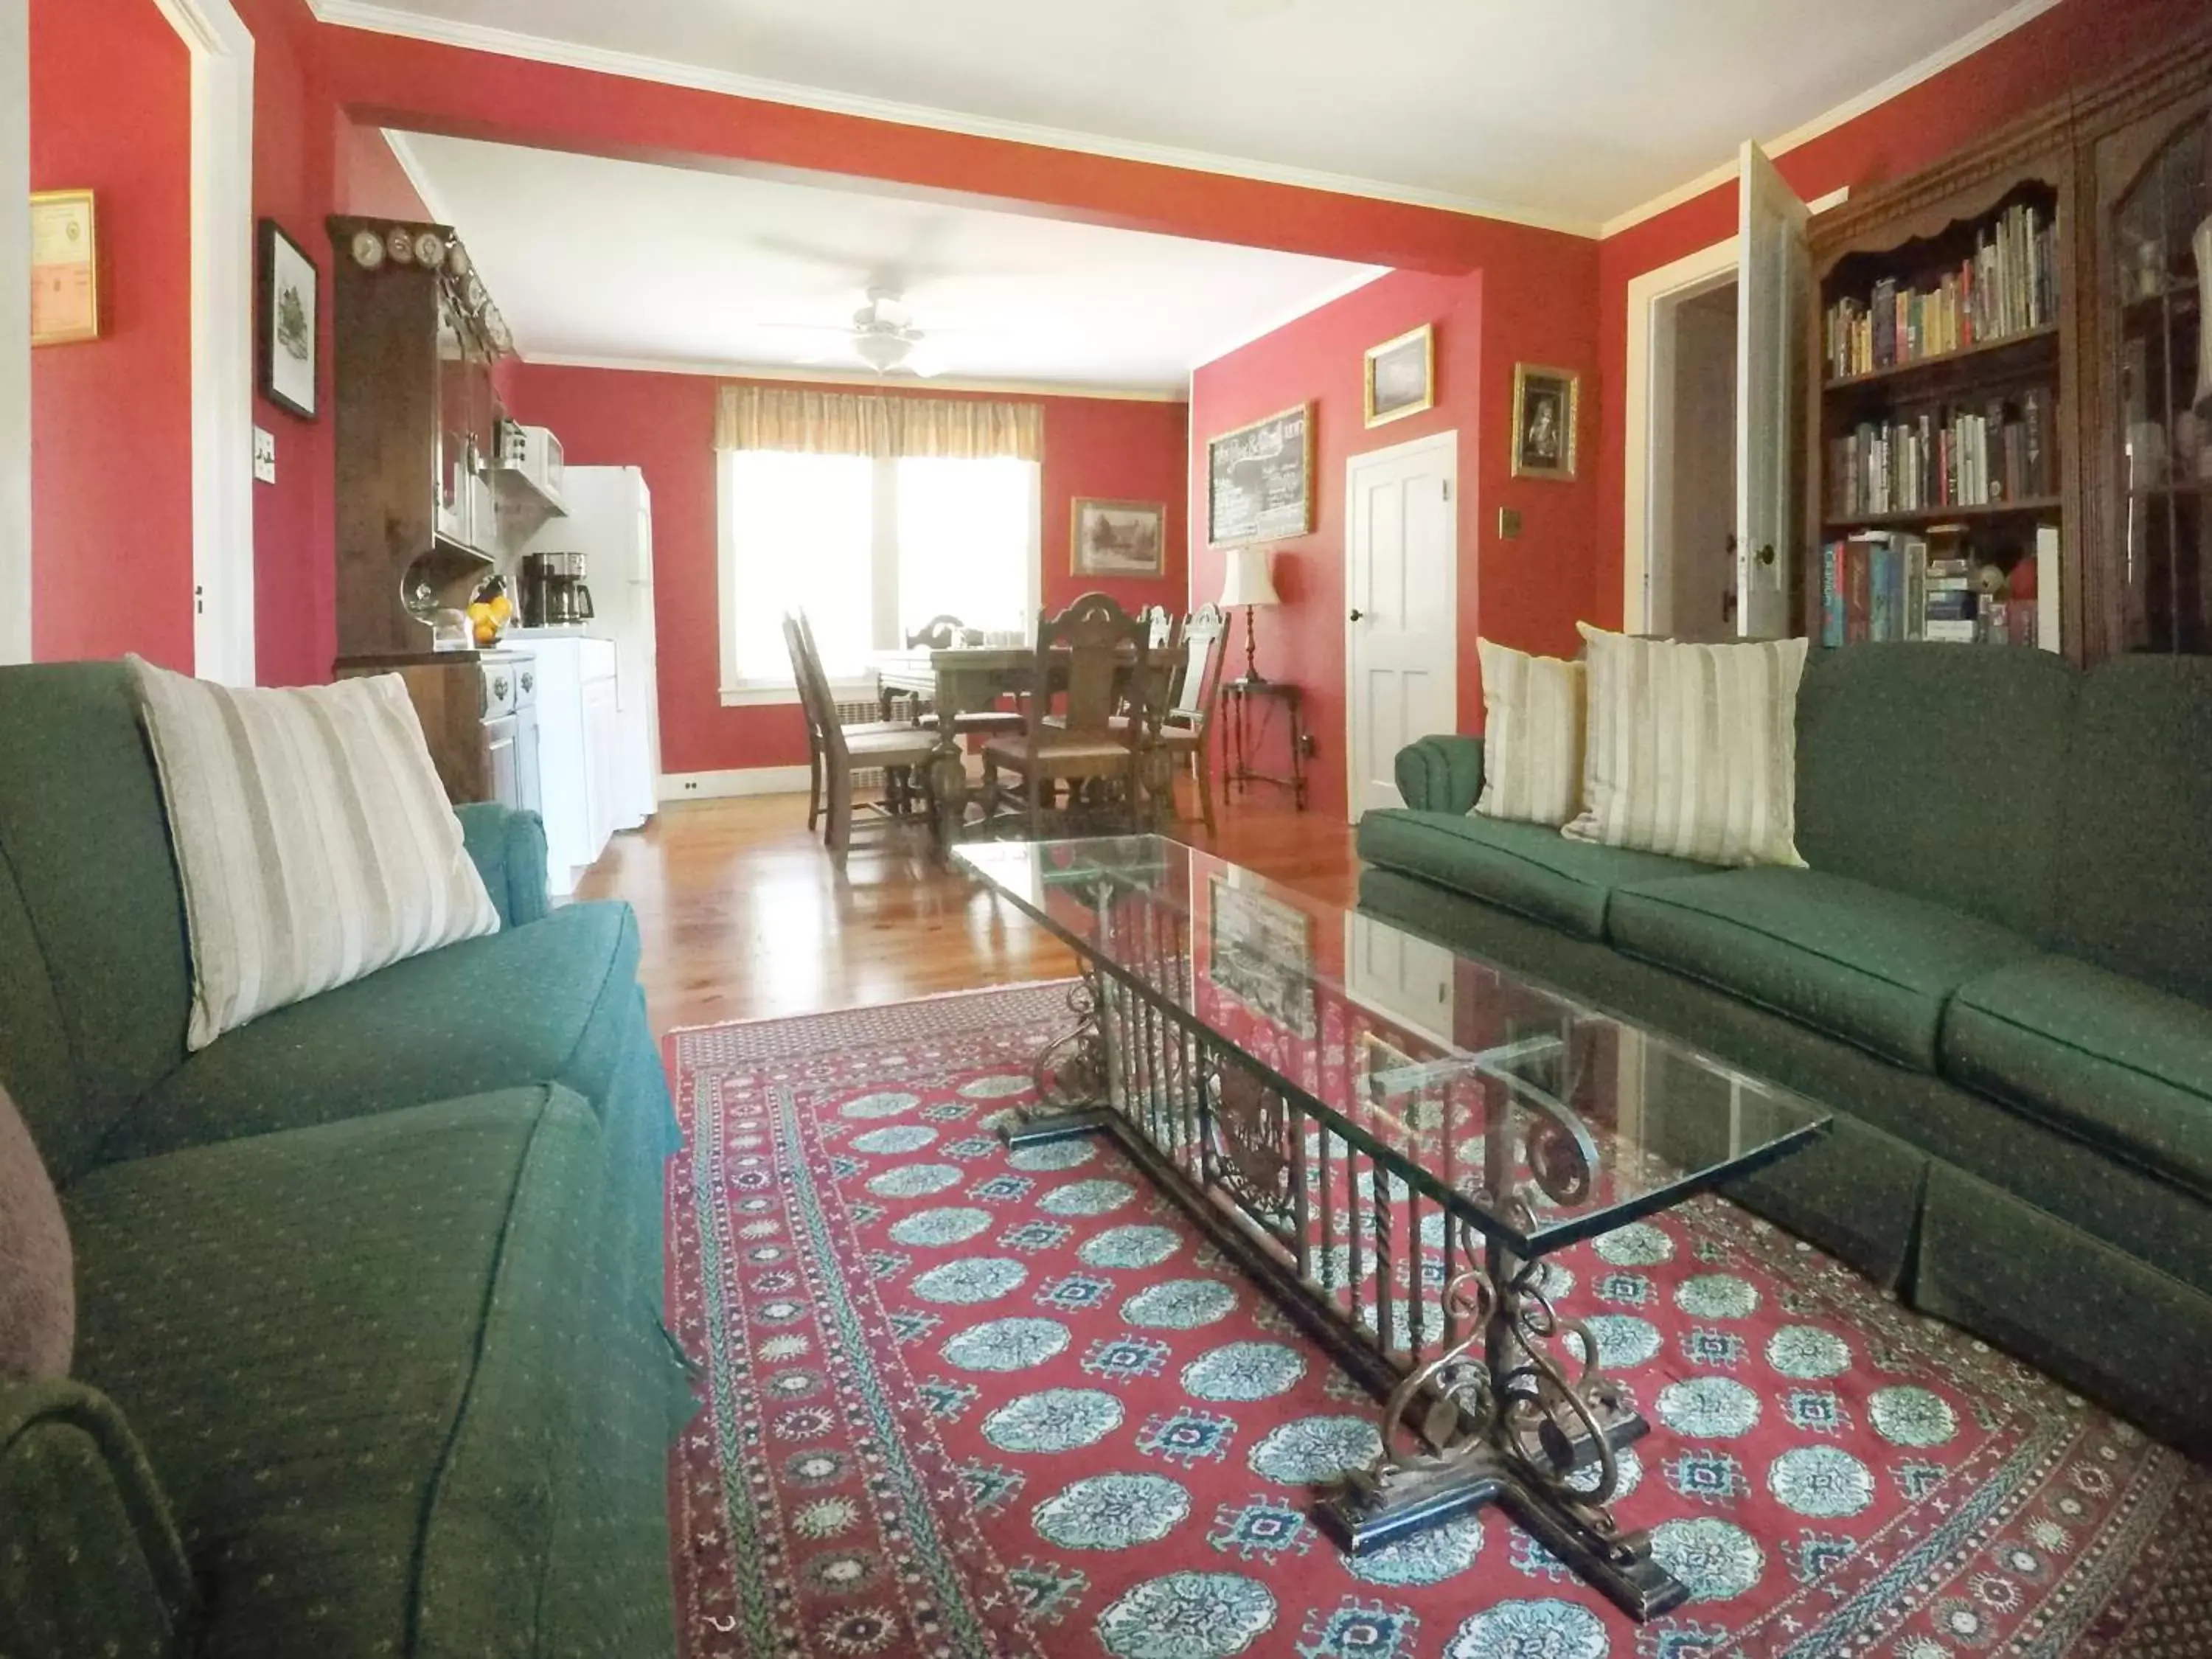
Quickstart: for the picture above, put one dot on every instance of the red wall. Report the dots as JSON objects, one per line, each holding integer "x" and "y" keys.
{"x": 664, "y": 424}
{"x": 309, "y": 161}
{"x": 111, "y": 418}
{"x": 1529, "y": 307}
{"x": 2072, "y": 46}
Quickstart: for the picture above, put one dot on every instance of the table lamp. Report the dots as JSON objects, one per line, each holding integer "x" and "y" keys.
{"x": 1251, "y": 584}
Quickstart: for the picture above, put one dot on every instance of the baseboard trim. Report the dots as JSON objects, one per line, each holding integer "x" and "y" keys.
{"x": 739, "y": 781}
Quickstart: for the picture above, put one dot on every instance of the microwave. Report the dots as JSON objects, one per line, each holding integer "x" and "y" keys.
{"x": 535, "y": 452}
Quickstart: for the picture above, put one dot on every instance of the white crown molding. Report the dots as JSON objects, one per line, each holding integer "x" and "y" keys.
{"x": 1328, "y": 296}
{"x": 2021, "y": 12}
{"x": 636, "y": 66}
{"x": 855, "y": 377}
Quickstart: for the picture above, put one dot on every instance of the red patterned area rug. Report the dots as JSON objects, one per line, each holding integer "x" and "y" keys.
{"x": 963, "y": 1402}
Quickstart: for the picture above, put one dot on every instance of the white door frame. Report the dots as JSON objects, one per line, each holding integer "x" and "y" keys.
{"x": 1647, "y": 488}
{"x": 1648, "y": 485}
{"x": 16, "y": 341}
{"x": 1445, "y": 444}
{"x": 222, "y": 283}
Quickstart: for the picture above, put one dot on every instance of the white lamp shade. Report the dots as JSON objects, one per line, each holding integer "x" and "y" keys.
{"x": 1250, "y": 579}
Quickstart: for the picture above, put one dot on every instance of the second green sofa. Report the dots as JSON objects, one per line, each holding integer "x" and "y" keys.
{"x": 1996, "y": 973}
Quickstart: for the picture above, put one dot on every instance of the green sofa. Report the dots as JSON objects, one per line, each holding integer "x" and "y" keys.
{"x": 369, "y": 1353}
{"x": 1997, "y": 973}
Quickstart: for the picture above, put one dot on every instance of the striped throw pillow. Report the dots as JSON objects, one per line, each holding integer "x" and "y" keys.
{"x": 1531, "y": 736}
{"x": 313, "y": 840}
{"x": 1693, "y": 749}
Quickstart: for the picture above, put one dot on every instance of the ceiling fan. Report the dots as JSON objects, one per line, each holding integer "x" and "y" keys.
{"x": 884, "y": 337}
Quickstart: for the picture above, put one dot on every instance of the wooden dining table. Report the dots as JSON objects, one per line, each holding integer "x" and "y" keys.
{"x": 959, "y": 680}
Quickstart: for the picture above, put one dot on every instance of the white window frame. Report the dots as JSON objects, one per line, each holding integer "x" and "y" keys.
{"x": 739, "y": 691}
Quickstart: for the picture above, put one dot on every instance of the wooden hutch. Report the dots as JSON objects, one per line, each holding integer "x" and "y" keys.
{"x": 420, "y": 500}
{"x": 2070, "y": 402}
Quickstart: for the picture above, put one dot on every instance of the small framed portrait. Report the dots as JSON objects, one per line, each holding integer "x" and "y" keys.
{"x": 1546, "y": 403}
{"x": 1120, "y": 539}
{"x": 286, "y": 337}
{"x": 1401, "y": 376}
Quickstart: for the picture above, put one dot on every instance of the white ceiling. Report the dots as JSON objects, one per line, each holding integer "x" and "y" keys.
{"x": 630, "y": 262}
{"x": 1563, "y": 112}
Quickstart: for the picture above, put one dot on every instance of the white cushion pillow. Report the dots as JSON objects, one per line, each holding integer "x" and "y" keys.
{"x": 1531, "y": 736}
{"x": 1693, "y": 749}
{"x": 313, "y": 840}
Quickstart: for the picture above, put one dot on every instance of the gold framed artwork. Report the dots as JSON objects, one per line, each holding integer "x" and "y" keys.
{"x": 65, "y": 268}
{"x": 1399, "y": 376}
{"x": 1260, "y": 481}
{"x": 1546, "y": 406}
{"x": 1118, "y": 539}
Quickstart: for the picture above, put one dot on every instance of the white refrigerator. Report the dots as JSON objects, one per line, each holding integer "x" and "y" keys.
{"x": 601, "y": 746}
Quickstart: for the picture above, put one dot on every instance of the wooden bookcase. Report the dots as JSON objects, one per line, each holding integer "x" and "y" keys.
{"x": 2123, "y": 175}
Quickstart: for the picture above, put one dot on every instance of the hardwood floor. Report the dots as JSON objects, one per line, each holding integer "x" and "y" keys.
{"x": 744, "y": 915}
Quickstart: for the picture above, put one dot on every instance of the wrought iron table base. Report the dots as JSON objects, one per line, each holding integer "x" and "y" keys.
{"x": 1496, "y": 1417}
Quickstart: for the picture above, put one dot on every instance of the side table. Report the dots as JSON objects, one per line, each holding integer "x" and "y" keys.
{"x": 1244, "y": 724}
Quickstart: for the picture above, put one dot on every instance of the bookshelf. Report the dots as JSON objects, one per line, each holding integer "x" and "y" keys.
{"x": 1938, "y": 503}
{"x": 2082, "y": 408}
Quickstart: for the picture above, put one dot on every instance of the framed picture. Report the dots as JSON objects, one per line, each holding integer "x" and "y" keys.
{"x": 1119, "y": 538}
{"x": 65, "y": 268}
{"x": 1259, "y": 480}
{"x": 286, "y": 334}
{"x": 1262, "y": 955}
{"x": 1401, "y": 376}
{"x": 1545, "y": 402}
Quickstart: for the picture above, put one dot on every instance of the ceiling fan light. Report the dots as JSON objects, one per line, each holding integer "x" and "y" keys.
{"x": 882, "y": 351}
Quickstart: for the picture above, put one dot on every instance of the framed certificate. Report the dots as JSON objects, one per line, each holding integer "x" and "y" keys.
{"x": 65, "y": 268}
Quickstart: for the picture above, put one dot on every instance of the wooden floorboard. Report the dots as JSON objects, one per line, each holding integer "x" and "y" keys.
{"x": 744, "y": 915}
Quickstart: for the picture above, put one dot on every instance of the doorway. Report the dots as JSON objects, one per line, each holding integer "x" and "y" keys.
{"x": 1401, "y": 593}
{"x": 1694, "y": 566}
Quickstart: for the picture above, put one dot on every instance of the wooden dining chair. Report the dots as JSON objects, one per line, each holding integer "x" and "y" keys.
{"x": 815, "y": 768}
{"x": 902, "y": 753}
{"x": 1187, "y": 723}
{"x": 1099, "y": 653}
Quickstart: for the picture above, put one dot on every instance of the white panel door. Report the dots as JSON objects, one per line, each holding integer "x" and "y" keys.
{"x": 1769, "y": 354}
{"x": 1402, "y": 642}
{"x": 1402, "y": 978}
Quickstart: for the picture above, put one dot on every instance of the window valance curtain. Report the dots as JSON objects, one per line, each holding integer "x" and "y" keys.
{"x": 834, "y": 422}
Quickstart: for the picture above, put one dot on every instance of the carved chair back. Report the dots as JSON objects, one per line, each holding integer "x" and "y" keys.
{"x": 1102, "y": 651}
{"x": 938, "y": 634}
{"x": 1199, "y": 671}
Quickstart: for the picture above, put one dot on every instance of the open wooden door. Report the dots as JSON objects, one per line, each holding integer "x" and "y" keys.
{"x": 1769, "y": 354}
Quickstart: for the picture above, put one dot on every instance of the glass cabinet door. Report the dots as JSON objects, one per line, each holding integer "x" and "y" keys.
{"x": 2156, "y": 246}
{"x": 450, "y": 458}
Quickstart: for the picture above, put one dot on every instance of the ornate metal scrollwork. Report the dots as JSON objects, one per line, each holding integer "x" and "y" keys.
{"x": 1072, "y": 1071}
{"x": 1253, "y": 1154}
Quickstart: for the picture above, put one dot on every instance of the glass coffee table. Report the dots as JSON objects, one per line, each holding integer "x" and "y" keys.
{"x": 1391, "y": 1138}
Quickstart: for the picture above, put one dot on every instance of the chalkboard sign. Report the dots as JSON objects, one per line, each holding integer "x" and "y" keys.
{"x": 1259, "y": 480}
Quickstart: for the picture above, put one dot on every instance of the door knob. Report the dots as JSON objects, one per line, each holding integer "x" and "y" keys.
{"x": 1357, "y": 615}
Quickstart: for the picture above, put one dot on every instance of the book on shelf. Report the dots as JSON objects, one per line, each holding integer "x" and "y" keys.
{"x": 1879, "y": 586}
{"x": 2009, "y": 285}
{"x": 2003, "y": 449}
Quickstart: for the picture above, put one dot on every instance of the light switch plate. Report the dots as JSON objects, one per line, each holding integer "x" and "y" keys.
{"x": 1509, "y": 523}
{"x": 265, "y": 456}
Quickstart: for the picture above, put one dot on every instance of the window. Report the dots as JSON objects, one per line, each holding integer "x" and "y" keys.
{"x": 870, "y": 550}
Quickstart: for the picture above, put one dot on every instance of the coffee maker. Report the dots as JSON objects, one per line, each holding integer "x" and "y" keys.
{"x": 553, "y": 591}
